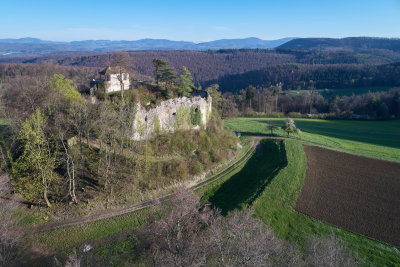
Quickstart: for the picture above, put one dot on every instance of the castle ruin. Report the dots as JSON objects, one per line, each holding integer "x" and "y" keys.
{"x": 182, "y": 113}
{"x": 111, "y": 79}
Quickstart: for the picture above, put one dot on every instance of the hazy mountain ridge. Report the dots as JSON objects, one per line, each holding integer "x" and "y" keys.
{"x": 33, "y": 46}
{"x": 37, "y": 47}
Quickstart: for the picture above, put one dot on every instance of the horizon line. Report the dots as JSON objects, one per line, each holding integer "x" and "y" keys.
{"x": 147, "y": 38}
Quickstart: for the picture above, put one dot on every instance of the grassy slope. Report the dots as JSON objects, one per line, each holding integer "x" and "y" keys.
{"x": 66, "y": 238}
{"x": 276, "y": 208}
{"x": 372, "y": 138}
{"x": 244, "y": 186}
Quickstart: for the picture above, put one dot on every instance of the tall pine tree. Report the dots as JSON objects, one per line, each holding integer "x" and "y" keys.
{"x": 186, "y": 82}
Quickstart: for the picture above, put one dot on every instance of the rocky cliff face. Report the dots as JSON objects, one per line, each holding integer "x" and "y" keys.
{"x": 178, "y": 113}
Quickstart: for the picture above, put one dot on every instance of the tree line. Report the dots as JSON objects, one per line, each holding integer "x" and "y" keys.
{"x": 300, "y": 77}
{"x": 273, "y": 101}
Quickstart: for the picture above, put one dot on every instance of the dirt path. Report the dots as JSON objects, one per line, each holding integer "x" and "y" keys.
{"x": 120, "y": 211}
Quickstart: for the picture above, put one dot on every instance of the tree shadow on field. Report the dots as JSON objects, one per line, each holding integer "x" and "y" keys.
{"x": 245, "y": 187}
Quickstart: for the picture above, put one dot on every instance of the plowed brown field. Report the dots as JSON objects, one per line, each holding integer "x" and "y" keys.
{"x": 357, "y": 193}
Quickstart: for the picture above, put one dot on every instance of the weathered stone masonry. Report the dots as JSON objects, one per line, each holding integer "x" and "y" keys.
{"x": 173, "y": 114}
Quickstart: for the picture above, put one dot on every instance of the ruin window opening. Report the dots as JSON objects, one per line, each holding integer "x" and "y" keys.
{"x": 196, "y": 110}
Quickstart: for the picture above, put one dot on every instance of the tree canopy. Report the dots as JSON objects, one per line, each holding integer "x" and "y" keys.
{"x": 34, "y": 169}
{"x": 65, "y": 87}
{"x": 186, "y": 82}
{"x": 213, "y": 91}
{"x": 290, "y": 126}
{"x": 163, "y": 73}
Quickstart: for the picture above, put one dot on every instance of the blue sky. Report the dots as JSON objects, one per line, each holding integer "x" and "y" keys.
{"x": 197, "y": 21}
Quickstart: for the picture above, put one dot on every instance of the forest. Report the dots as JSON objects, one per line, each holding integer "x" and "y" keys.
{"x": 61, "y": 148}
{"x": 208, "y": 66}
{"x": 312, "y": 103}
{"x": 269, "y": 73}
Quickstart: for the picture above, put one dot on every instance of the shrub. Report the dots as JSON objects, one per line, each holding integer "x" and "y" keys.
{"x": 195, "y": 117}
{"x": 182, "y": 117}
{"x": 296, "y": 115}
{"x": 197, "y": 168}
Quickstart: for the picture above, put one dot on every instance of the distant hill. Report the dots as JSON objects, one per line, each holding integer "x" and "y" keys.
{"x": 350, "y": 44}
{"x": 247, "y": 43}
{"x": 378, "y": 47}
{"x": 36, "y": 47}
{"x": 27, "y": 40}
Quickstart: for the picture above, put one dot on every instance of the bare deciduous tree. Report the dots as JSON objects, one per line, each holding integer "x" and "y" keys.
{"x": 79, "y": 113}
{"x": 191, "y": 234}
{"x": 241, "y": 240}
{"x": 108, "y": 125}
{"x": 329, "y": 251}
{"x": 175, "y": 238}
{"x": 62, "y": 125}
{"x": 9, "y": 238}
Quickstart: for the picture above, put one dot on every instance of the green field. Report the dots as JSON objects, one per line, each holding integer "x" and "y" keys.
{"x": 247, "y": 183}
{"x": 68, "y": 237}
{"x": 378, "y": 139}
{"x": 332, "y": 93}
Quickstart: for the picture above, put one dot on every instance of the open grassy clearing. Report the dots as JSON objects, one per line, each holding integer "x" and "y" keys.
{"x": 68, "y": 237}
{"x": 378, "y": 139}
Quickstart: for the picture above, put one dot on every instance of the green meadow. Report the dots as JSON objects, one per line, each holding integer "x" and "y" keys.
{"x": 377, "y": 139}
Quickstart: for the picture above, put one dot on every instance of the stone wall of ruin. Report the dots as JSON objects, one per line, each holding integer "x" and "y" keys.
{"x": 171, "y": 115}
